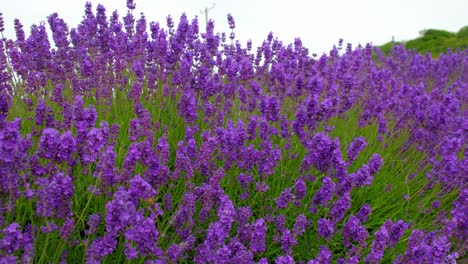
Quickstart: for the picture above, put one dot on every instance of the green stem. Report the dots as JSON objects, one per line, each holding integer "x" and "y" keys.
{"x": 44, "y": 249}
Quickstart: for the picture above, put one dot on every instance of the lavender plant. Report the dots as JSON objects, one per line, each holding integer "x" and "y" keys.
{"x": 128, "y": 141}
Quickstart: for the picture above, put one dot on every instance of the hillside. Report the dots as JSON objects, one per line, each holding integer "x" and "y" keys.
{"x": 434, "y": 41}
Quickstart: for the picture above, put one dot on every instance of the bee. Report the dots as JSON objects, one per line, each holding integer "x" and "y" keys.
{"x": 149, "y": 200}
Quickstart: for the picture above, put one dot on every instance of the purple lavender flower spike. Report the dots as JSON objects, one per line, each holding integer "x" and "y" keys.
{"x": 356, "y": 146}
{"x": 284, "y": 260}
{"x": 323, "y": 257}
{"x": 353, "y": 231}
{"x": 258, "y": 236}
{"x": 285, "y": 197}
{"x": 325, "y": 193}
{"x": 326, "y": 228}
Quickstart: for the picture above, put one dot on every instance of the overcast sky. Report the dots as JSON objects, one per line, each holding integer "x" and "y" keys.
{"x": 319, "y": 23}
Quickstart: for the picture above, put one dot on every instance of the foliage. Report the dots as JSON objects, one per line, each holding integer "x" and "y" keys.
{"x": 434, "y": 41}
{"x": 127, "y": 142}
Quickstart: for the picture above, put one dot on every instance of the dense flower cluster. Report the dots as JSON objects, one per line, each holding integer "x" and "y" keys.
{"x": 123, "y": 139}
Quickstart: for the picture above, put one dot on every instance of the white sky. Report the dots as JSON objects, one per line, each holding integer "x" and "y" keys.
{"x": 319, "y": 23}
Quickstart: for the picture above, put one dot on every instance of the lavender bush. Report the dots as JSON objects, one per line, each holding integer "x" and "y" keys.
{"x": 128, "y": 141}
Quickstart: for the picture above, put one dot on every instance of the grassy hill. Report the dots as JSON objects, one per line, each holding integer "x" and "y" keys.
{"x": 434, "y": 41}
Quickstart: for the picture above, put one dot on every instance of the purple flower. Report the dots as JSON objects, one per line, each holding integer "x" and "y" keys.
{"x": 173, "y": 252}
{"x": 375, "y": 163}
{"x": 144, "y": 234}
{"x": 243, "y": 215}
{"x": 5, "y": 103}
{"x": 94, "y": 142}
{"x": 139, "y": 188}
{"x": 100, "y": 248}
{"x": 356, "y": 146}
{"x": 50, "y": 227}
{"x": 340, "y": 207}
{"x": 354, "y": 231}
{"x": 8, "y": 259}
{"x": 459, "y": 216}
{"x": 351, "y": 260}
{"x": 11, "y": 240}
{"x": 363, "y": 213}
{"x": 252, "y": 128}
{"x": 300, "y": 225}
{"x": 232, "y": 25}
{"x": 325, "y": 193}
{"x": 287, "y": 242}
{"x": 323, "y": 257}
{"x": 258, "y": 236}
{"x": 28, "y": 193}
{"x": 239, "y": 253}
{"x": 2, "y": 24}
{"x": 188, "y": 106}
{"x": 130, "y": 252}
{"x": 419, "y": 249}
{"x": 284, "y": 260}
{"x": 397, "y": 230}
{"x": 9, "y": 137}
{"x": 284, "y": 125}
{"x": 105, "y": 169}
{"x": 89, "y": 116}
{"x": 285, "y": 197}
{"x": 40, "y": 112}
{"x": 130, "y": 4}
{"x": 326, "y": 228}
{"x": 133, "y": 156}
{"x": 135, "y": 91}
{"x": 215, "y": 238}
{"x": 27, "y": 242}
{"x": 67, "y": 146}
{"x": 363, "y": 176}
{"x": 270, "y": 108}
{"x": 226, "y": 212}
{"x": 262, "y": 186}
{"x": 134, "y": 129}
{"x": 120, "y": 212}
{"x": 93, "y": 223}
{"x": 54, "y": 196}
{"x": 48, "y": 144}
{"x": 320, "y": 149}
{"x": 301, "y": 189}
{"x": 382, "y": 123}
{"x": 163, "y": 150}
{"x": 346, "y": 184}
{"x": 245, "y": 179}
{"x": 182, "y": 218}
{"x": 280, "y": 223}
{"x": 435, "y": 204}
{"x": 113, "y": 133}
{"x": 67, "y": 228}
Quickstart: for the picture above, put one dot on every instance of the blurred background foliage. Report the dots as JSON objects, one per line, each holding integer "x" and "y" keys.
{"x": 434, "y": 41}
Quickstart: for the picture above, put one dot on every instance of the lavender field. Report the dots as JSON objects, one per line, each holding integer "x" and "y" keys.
{"x": 129, "y": 141}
